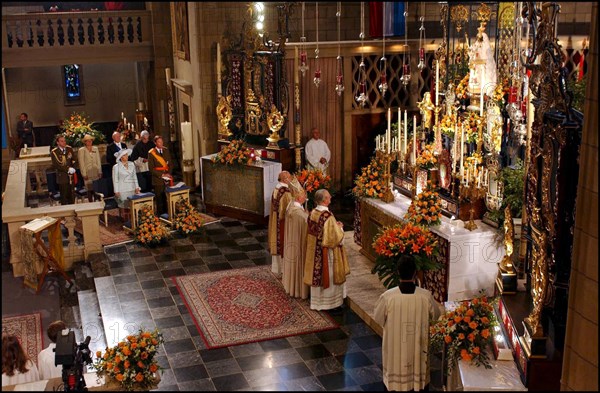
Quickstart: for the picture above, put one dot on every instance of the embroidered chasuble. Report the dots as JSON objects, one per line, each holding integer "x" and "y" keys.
{"x": 280, "y": 200}
{"x": 294, "y": 251}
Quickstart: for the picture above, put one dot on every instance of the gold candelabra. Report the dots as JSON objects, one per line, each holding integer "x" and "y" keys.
{"x": 387, "y": 158}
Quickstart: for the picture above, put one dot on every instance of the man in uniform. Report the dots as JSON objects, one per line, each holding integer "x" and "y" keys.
{"x": 159, "y": 164}
{"x": 326, "y": 265}
{"x": 63, "y": 162}
{"x": 295, "y": 245}
{"x": 280, "y": 199}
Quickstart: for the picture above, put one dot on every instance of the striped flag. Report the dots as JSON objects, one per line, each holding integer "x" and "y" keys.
{"x": 394, "y": 19}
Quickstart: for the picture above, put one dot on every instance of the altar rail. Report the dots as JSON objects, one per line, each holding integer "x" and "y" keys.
{"x": 76, "y": 31}
{"x": 15, "y": 213}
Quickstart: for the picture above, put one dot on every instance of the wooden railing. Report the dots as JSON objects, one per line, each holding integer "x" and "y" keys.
{"x": 74, "y": 31}
{"x": 15, "y": 213}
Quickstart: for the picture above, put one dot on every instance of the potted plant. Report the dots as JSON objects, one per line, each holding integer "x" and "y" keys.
{"x": 403, "y": 238}
{"x": 513, "y": 189}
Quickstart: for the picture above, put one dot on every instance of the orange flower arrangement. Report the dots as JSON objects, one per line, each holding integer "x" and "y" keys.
{"x": 187, "y": 218}
{"x": 76, "y": 126}
{"x": 132, "y": 361}
{"x": 370, "y": 182}
{"x": 463, "y": 88}
{"x": 447, "y": 125}
{"x": 236, "y": 153}
{"x": 150, "y": 230}
{"x": 465, "y": 332}
{"x": 426, "y": 208}
{"x": 426, "y": 159}
{"x": 472, "y": 122}
{"x": 313, "y": 180}
{"x": 403, "y": 238}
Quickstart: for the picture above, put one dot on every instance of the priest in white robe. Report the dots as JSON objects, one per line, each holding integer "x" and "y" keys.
{"x": 280, "y": 199}
{"x": 404, "y": 313}
{"x": 295, "y": 246}
{"x": 326, "y": 265}
{"x": 317, "y": 152}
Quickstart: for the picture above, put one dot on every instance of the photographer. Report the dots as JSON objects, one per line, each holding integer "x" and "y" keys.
{"x": 46, "y": 359}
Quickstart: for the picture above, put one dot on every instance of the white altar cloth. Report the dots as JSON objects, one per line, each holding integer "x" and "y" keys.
{"x": 474, "y": 255}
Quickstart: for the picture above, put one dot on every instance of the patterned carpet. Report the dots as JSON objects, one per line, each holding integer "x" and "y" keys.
{"x": 246, "y": 305}
{"x": 28, "y": 328}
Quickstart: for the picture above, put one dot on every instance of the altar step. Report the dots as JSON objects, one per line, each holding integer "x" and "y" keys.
{"x": 91, "y": 322}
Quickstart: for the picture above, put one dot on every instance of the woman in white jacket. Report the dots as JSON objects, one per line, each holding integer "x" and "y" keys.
{"x": 125, "y": 183}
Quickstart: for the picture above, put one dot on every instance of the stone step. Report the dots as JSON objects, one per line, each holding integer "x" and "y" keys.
{"x": 91, "y": 322}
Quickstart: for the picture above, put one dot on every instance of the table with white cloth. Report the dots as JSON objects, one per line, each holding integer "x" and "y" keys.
{"x": 469, "y": 258}
{"x": 503, "y": 375}
{"x": 240, "y": 191}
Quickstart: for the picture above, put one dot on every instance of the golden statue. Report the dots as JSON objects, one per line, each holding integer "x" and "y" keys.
{"x": 224, "y": 115}
{"x": 426, "y": 107}
{"x": 506, "y": 265}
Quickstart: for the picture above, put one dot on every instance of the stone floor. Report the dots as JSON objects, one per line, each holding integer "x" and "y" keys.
{"x": 134, "y": 283}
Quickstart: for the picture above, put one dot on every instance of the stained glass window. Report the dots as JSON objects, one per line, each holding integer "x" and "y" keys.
{"x": 72, "y": 82}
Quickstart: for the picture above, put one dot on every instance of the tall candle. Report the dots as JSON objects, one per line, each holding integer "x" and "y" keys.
{"x": 482, "y": 92}
{"x": 389, "y": 130}
{"x": 186, "y": 140}
{"x": 462, "y": 148}
{"x": 219, "y": 92}
{"x": 399, "y": 124}
{"x": 405, "y": 132}
{"x": 414, "y": 140}
{"x": 122, "y": 115}
{"x": 437, "y": 78}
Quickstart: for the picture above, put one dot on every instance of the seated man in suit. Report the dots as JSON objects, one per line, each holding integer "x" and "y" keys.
{"x": 114, "y": 147}
{"x": 159, "y": 164}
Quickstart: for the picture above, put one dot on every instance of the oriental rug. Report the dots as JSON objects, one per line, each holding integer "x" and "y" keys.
{"x": 28, "y": 328}
{"x": 240, "y": 306}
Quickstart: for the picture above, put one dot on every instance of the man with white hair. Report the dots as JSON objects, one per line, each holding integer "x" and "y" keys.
{"x": 326, "y": 265}
{"x": 114, "y": 147}
{"x": 139, "y": 156}
{"x": 280, "y": 199}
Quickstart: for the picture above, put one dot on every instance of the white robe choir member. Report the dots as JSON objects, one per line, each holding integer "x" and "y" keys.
{"x": 280, "y": 199}
{"x": 405, "y": 320}
{"x": 316, "y": 149}
{"x": 326, "y": 265}
{"x": 295, "y": 250}
{"x": 17, "y": 378}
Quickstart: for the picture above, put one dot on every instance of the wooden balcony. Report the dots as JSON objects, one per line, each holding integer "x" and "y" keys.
{"x": 92, "y": 37}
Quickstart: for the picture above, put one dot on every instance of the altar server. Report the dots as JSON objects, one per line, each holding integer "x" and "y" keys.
{"x": 47, "y": 357}
{"x": 295, "y": 246}
{"x": 280, "y": 199}
{"x": 317, "y": 152}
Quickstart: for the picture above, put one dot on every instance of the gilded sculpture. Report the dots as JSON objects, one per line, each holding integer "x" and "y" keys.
{"x": 426, "y": 107}
{"x": 506, "y": 265}
{"x": 224, "y": 115}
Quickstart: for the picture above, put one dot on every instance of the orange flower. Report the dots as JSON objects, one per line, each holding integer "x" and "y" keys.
{"x": 473, "y": 325}
{"x": 141, "y": 364}
{"x": 126, "y": 364}
{"x": 153, "y": 368}
{"x": 485, "y": 333}
{"x": 461, "y": 336}
{"x": 447, "y": 339}
{"x": 471, "y": 337}
{"x": 119, "y": 377}
{"x": 144, "y": 355}
{"x": 139, "y": 377}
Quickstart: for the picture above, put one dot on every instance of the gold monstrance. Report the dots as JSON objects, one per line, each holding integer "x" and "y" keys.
{"x": 275, "y": 121}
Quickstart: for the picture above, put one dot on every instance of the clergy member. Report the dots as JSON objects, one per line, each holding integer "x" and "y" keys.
{"x": 317, "y": 152}
{"x": 326, "y": 265}
{"x": 295, "y": 246}
{"x": 404, "y": 313}
{"x": 280, "y": 199}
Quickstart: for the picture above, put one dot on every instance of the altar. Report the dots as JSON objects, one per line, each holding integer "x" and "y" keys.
{"x": 469, "y": 258}
{"x": 242, "y": 192}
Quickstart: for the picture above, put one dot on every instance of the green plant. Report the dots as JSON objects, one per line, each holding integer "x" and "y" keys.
{"x": 513, "y": 184}
{"x": 577, "y": 87}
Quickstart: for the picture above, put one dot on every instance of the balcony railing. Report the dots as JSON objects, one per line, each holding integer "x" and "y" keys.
{"x": 97, "y": 31}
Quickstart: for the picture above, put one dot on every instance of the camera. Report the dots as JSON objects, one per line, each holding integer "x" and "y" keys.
{"x": 73, "y": 357}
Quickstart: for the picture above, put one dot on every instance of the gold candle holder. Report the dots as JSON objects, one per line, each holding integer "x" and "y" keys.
{"x": 388, "y": 195}
{"x": 471, "y": 224}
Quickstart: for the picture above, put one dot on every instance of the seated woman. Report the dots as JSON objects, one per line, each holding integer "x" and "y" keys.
{"x": 17, "y": 368}
{"x": 125, "y": 183}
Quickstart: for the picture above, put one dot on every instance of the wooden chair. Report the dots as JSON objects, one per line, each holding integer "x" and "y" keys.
{"x": 103, "y": 190}
{"x": 53, "y": 191}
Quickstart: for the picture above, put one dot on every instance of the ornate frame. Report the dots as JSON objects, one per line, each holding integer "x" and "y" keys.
{"x": 181, "y": 34}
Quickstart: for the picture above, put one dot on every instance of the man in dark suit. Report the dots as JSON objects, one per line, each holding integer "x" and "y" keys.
{"x": 159, "y": 164}
{"x": 63, "y": 161}
{"x": 25, "y": 131}
{"x": 113, "y": 148}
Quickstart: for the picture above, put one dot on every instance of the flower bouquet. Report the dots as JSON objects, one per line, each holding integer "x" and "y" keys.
{"x": 465, "y": 332}
{"x": 426, "y": 159}
{"x": 472, "y": 122}
{"x": 187, "y": 218}
{"x": 447, "y": 125}
{"x": 132, "y": 362}
{"x": 313, "y": 180}
{"x": 236, "y": 153}
{"x": 76, "y": 126}
{"x": 370, "y": 182}
{"x": 404, "y": 238}
{"x": 462, "y": 90}
{"x": 150, "y": 230}
{"x": 426, "y": 208}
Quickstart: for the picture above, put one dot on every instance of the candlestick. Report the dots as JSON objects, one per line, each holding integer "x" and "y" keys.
{"x": 219, "y": 91}
{"x": 122, "y": 116}
{"x": 462, "y": 149}
{"x": 437, "y": 78}
{"x": 399, "y": 124}
{"x": 124, "y": 121}
{"x": 405, "y": 133}
{"x": 468, "y": 176}
{"x": 186, "y": 140}
{"x": 389, "y": 129}
{"x": 414, "y": 140}
{"x": 145, "y": 121}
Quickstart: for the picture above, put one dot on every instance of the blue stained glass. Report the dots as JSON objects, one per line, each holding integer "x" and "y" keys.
{"x": 72, "y": 86}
